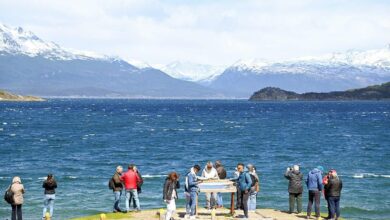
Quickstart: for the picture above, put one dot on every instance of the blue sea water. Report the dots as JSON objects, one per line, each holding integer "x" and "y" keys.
{"x": 82, "y": 141}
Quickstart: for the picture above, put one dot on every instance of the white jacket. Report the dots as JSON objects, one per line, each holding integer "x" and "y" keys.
{"x": 210, "y": 174}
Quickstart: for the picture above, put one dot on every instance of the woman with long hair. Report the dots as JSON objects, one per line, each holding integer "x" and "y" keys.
{"x": 170, "y": 193}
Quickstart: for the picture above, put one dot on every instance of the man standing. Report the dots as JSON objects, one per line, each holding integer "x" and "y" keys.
{"x": 191, "y": 191}
{"x": 314, "y": 185}
{"x": 295, "y": 188}
{"x": 117, "y": 187}
{"x": 210, "y": 173}
{"x": 245, "y": 184}
{"x": 222, "y": 175}
{"x": 131, "y": 178}
{"x": 333, "y": 189}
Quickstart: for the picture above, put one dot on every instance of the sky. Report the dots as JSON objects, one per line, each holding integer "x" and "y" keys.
{"x": 205, "y": 31}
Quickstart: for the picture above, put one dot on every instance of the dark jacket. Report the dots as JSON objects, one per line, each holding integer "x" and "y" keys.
{"x": 50, "y": 186}
{"x": 221, "y": 172}
{"x": 118, "y": 185}
{"x": 169, "y": 187}
{"x": 295, "y": 181}
{"x": 334, "y": 186}
{"x": 314, "y": 180}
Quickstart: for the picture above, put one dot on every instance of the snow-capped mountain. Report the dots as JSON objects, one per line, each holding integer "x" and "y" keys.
{"x": 192, "y": 71}
{"x": 30, "y": 65}
{"x": 337, "y": 71}
{"x": 19, "y": 41}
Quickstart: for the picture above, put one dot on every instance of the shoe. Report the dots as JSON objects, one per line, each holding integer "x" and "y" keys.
{"x": 186, "y": 216}
{"x": 192, "y": 217}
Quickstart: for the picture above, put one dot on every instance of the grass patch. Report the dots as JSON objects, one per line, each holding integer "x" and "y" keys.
{"x": 323, "y": 215}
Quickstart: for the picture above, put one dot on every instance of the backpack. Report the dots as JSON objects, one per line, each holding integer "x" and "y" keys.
{"x": 111, "y": 184}
{"x": 254, "y": 180}
{"x": 9, "y": 196}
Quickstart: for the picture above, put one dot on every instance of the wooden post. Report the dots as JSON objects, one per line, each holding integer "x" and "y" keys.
{"x": 232, "y": 203}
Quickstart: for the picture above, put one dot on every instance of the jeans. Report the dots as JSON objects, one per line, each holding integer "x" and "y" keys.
{"x": 334, "y": 202}
{"x": 48, "y": 203}
{"x": 314, "y": 196}
{"x": 171, "y": 208}
{"x": 132, "y": 194}
{"x": 244, "y": 202}
{"x": 252, "y": 201}
{"x": 17, "y": 212}
{"x": 220, "y": 201}
{"x": 211, "y": 199}
{"x": 191, "y": 203}
{"x": 291, "y": 201}
{"x": 117, "y": 200}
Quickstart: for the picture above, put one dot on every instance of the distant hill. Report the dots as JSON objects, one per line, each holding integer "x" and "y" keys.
{"x": 6, "y": 96}
{"x": 376, "y": 92}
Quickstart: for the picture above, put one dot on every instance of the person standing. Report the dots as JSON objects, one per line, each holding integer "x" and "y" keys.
{"x": 170, "y": 193}
{"x": 117, "y": 188}
{"x": 130, "y": 179}
{"x": 50, "y": 185}
{"x": 191, "y": 191}
{"x": 255, "y": 187}
{"x": 314, "y": 185}
{"x": 295, "y": 188}
{"x": 210, "y": 173}
{"x": 17, "y": 189}
{"x": 325, "y": 180}
{"x": 222, "y": 175}
{"x": 235, "y": 179}
{"x": 333, "y": 191}
{"x": 245, "y": 184}
{"x": 139, "y": 186}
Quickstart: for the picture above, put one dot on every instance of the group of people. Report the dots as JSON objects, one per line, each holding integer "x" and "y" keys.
{"x": 131, "y": 181}
{"x": 330, "y": 185}
{"x": 247, "y": 188}
{"x": 14, "y": 196}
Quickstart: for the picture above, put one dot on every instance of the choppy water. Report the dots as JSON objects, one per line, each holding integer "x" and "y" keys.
{"x": 82, "y": 141}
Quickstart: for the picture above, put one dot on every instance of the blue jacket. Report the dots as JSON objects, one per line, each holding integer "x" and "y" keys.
{"x": 245, "y": 181}
{"x": 314, "y": 180}
{"x": 191, "y": 183}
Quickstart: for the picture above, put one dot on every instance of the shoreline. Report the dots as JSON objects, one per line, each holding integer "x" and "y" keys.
{"x": 221, "y": 214}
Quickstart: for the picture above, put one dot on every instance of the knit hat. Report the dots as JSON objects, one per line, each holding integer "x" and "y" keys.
{"x": 321, "y": 168}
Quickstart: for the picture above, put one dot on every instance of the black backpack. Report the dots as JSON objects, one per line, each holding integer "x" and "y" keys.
{"x": 111, "y": 184}
{"x": 9, "y": 196}
{"x": 254, "y": 180}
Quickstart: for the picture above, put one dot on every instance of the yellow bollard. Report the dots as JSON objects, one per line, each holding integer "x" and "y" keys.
{"x": 162, "y": 214}
{"x": 213, "y": 214}
{"x": 47, "y": 216}
{"x": 103, "y": 216}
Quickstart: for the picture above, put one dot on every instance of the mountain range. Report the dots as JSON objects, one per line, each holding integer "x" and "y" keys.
{"x": 30, "y": 65}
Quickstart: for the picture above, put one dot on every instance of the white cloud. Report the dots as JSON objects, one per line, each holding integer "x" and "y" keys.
{"x": 215, "y": 32}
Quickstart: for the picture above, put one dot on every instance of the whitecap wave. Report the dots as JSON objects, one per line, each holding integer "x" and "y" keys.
{"x": 369, "y": 175}
{"x": 153, "y": 176}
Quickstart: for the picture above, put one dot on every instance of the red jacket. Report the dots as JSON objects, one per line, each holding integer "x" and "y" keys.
{"x": 130, "y": 178}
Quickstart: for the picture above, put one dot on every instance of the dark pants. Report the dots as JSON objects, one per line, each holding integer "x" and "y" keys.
{"x": 334, "y": 203}
{"x": 298, "y": 198}
{"x": 314, "y": 196}
{"x": 244, "y": 202}
{"x": 327, "y": 201}
{"x": 16, "y": 212}
{"x": 239, "y": 204}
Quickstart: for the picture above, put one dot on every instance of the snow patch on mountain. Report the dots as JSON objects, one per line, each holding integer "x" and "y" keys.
{"x": 19, "y": 41}
{"x": 192, "y": 71}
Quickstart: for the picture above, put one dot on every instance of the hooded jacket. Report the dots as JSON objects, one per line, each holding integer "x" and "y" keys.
{"x": 210, "y": 174}
{"x": 18, "y": 190}
{"x": 333, "y": 187}
{"x": 191, "y": 184}
{"x": 295, "y": 181}
{"x": 314, "y": 180}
